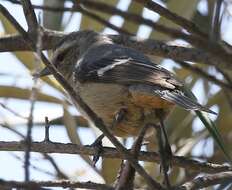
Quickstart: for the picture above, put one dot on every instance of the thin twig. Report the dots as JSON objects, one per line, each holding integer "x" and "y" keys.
{"x": 215, "y": 22}
{"x": 33, "y": 166}
{"x": 7, "y": 126}
{"x": 101, "y": 20}
{"x": 225, "y": 75}
{"x": 214, "y": 48}
{"x": 127, "y": 174}
{"x": 60, "y": 174}
{"x": 29, "y": 138}
{"x": 157, "y": 48}
{"x": 186, "y": 24}
{"x": 12, "y": 111}
{"x": 148, "y": 46}
{"x": 32, "y": 26}
{"x": 195, "y": 40}
{"x": 69, "y": 148}
{"x": 84, "y": 11}
{"x": 204, "y": 74}
{"x": 60, "y": 183}
{"x": 30, "y": 16}
{"x": 206, "y": 181}
{"x": 227, "y": 93}
{"x": 47, "y": 126}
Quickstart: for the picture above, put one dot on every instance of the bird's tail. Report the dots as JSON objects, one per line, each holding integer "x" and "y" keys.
{"x": 182, "y": 100}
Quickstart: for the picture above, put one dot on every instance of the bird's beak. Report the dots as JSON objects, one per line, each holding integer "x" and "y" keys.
{"x": 42, "y": 73}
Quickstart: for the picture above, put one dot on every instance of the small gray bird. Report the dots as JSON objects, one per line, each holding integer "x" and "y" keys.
{"x": 113, "y": 79}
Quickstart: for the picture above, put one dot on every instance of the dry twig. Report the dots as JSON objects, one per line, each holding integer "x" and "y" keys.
{"x": 107, "y": 152}
{"x": 60, "y": 183}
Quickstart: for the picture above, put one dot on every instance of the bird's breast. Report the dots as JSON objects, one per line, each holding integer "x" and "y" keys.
{"x": 106, "y": 100}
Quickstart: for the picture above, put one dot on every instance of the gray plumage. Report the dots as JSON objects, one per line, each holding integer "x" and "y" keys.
{"x": 109, "y": 77}
{"x": 135, "y": 69}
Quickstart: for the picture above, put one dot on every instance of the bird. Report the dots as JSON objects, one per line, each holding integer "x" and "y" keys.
{"x": 118, "y": 82}
{"x": 121, "y": 85}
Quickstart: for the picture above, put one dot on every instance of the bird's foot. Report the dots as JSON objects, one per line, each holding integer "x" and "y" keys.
{"x": 97, "y": 144}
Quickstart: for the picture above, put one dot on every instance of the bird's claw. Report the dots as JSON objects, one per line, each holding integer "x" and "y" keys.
{"x": 97, "y": 144}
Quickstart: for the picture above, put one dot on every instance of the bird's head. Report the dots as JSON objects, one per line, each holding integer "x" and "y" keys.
{"x": 69, "y": 50}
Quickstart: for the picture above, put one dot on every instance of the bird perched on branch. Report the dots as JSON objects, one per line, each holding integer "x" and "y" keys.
{"x": 116, "y": 81}
{"x": 120, "y": 84}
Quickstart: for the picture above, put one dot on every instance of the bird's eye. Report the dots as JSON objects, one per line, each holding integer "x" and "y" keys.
{"x": 60, "y": 57}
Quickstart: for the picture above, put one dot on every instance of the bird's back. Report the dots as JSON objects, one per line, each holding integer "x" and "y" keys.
{"x": 111, "y": 77}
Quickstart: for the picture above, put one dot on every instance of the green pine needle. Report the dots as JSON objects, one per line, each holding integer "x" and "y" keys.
{"x": 209, "y": 124}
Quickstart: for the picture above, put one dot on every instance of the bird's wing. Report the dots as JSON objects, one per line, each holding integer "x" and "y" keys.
{"x": 127, "y": 70}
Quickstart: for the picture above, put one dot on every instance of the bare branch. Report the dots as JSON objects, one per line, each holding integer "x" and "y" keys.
{"x": 29, "y": 15}
{"x": 195, "y": 40}
{"x": 127, "y": 173}
{"x": 12, "y": 111}
{"x": 60, "y": 174}
{"x": 69, "y": 148}
{"x": 204, "y": 74}
{"x": 207, "y": 181}
{"x": 186, "y": 24}
{"x": 78, "y": 8}
{"x": 60, "y": 183}
{"x": 29, "y": 132}
{"x": 32, "y": 26}
{"x": 215, "y": 49}
{"x": 215, "y": 32}
{"x": 149, "y": 46}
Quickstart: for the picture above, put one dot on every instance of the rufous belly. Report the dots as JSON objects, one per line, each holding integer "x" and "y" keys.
{"x": 106, "y": 100}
